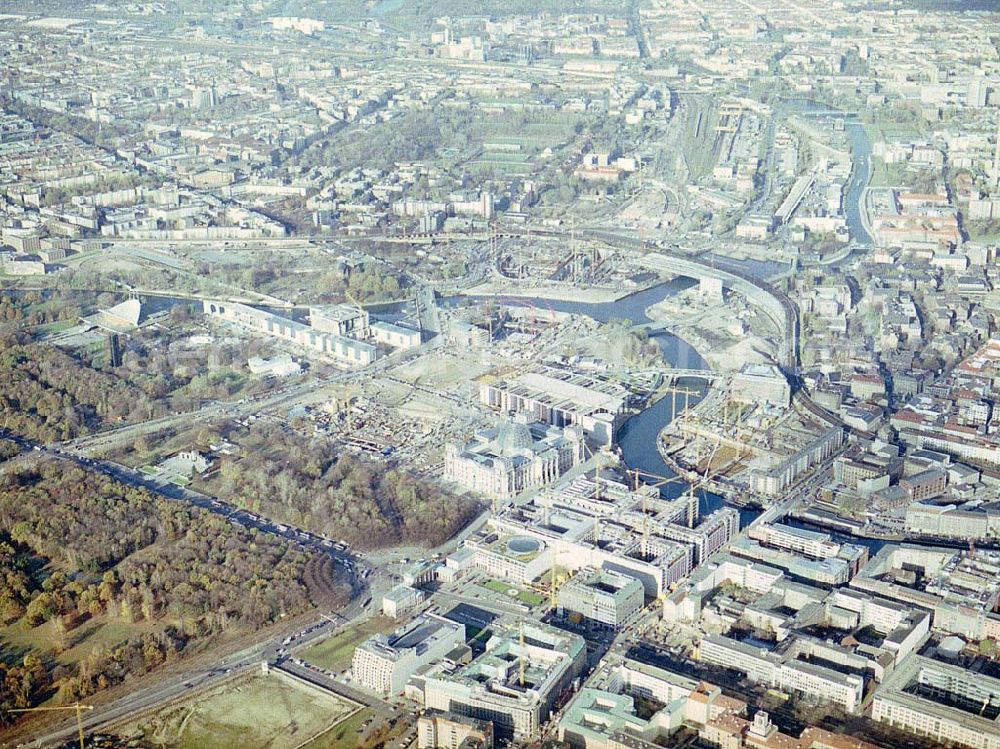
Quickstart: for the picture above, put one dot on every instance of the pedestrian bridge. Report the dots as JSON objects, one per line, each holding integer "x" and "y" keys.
{"x": 676, "y": 373}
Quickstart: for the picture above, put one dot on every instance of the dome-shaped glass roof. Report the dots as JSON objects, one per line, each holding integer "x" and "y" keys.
{"x": 512, "y": 438}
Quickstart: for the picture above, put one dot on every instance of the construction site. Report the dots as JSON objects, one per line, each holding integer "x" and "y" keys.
{"x": 746, "y": 437}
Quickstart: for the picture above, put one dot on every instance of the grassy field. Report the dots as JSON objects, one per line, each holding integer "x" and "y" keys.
{"x": 525, "y": 596}
{"x": 55, "y": 327}
{"x": 335, "y": 652}
{"x": 344, "y": 736}
{"x": 78, "y": 643}
{"x": 254, "y": 711}
{"x": 891, "y": 131}
{"x": 887, "y": 175}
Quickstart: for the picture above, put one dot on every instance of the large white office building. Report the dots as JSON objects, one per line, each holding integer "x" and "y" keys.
{"x": 785, "y": 673}
{"x": 604, "y": 596}
{"x": 761, "y": 383}
{"x": 514, "y": 683}
{"x": 384, "y": 663}
{"x": 561, "y": 397}
{"x": 940, "y": 702}
{"x": 346, "y": 351}
{"x": 775, "y": 479}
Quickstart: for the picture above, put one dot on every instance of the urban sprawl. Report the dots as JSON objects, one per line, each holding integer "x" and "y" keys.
{"x": 606, "y": 375}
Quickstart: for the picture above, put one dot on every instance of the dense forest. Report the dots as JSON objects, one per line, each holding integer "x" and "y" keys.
{"x": 44, "y": 397}
{"x": 49, "y": 393}
{"x": 308, "y": 483}
{"x": 82, "y": 549}
{"x": 32, "y": 308}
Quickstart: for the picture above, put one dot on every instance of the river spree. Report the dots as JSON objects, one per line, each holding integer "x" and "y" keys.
{"x": 637, "y": 438}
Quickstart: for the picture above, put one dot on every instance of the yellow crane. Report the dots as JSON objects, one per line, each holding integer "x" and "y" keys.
{"x": 554, "y": 588}
{"x": 599, "y": 457}
{"x": 657, "y": 482}
{"x": 78, "y": 707}
{"x": 687, "y": 392}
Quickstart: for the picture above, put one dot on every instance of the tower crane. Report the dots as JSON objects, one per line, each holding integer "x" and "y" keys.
{"x": 361, "y": 311}
{"x": 656, "y": 483}
{"x": 77, "y": 706}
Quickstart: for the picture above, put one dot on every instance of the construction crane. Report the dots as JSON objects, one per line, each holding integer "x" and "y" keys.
{"x": 572, "y": 243}
{"x": 552, "y": 312}
{"x": 361, "y": 311}
{"x": 657, "y": 480}
{"x": 656, "y": 483}
{"x": 554, "y": 589}
{"x": 692, "y": 500}
{"x": 687, "y": 400}
{"x": 598, "y": 456}
{"x": 78, "y": 707}
{"x": 550, "y": 592}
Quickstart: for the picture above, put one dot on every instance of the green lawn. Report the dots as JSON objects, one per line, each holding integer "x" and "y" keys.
{"x": 344, "y": 735}
{"x": 335, "y": 652}
{"x": 525, "y": 596}
{"x": 55, "y": 327}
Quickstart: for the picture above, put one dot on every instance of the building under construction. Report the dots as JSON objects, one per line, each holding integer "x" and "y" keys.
{"x": 515, "y": 682}
{"x": 603, "y": 524}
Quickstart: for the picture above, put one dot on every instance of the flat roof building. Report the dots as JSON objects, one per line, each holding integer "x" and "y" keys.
{"x": 961, "y": 589}
{"x": 384, "y": 663}
{"x": 603, "y": 596}
{"x": 595, "y": 715}
{"x": 395, "y": 336}
{"x": 561, "y": 397}
{"x": 761, "y": 383}
{"x": 342, "y": 349}
{"x": 941, "y": 702}
{"x": 437, "y": 729}
{"x": 400, "y": 598}
{"x": 340, "y": 319}
{"x": 786, "y": 673}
